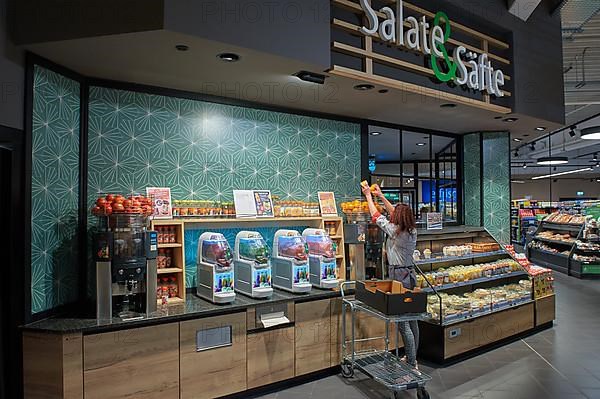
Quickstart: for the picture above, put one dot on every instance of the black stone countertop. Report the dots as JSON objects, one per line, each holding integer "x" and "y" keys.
{"x": 194, "y": 308}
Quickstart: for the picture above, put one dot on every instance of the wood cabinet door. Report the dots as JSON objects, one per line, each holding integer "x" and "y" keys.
{"x": 313, "y": 336}
{"x": 209, "y": 372}
{"x": 270, "y": 356}
{"x": 135, "y": 363}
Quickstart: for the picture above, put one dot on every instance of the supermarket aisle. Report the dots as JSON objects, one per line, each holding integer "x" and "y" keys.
{"x": 561, "y": 363}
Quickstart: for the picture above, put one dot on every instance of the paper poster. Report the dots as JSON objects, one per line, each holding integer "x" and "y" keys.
{"x": 253, "y": 203}
{"x": 434, "y": 221}
{"x": 327, "y": 204}
{"x": 161, "y": 202}
{"x": 264, "y": 204}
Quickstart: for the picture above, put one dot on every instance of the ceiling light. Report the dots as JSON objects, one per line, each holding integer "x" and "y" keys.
{"x": 518, "y": 140}
{"x": 311, "y": 77}
{"x": 510, "y": 119}
{"x": 498, "y": 117}
{"x": 598, "y": 180}
{"x": 375, "y": 133}
{"x": 518, "y": 181}
{"x": 364, "y": 87}
{"x": 540, "y": 128}
{"x": 228, "y": 57}
{"x": 524, "y": 165}
{"x": 595, "y": 156}
{"x": 597, "y": 164}
{"x": 552, "y": 161}
{"x": 591, "y": 133}
{"x": 383, "y": 91}
{"x": 572, "y": 132}
{"x": 421, "y": 144}
{"x": 516, "y": 153}
{"x": 181, "y": 47}
{"x": 568, "y": 172}
{"x": 532, "y": 146}
{"x": 448, "y": 105}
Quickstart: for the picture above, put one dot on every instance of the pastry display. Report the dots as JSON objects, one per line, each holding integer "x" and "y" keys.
{"x": 554, "y": 236}
{"x": 587, "y": 246}
{"x": 457, "y": 250}
{"x": 480, "y": 301}
{"x": 564, "y": 218}
{"x": 540, "y": 246}
{"x": 457, "y": 274}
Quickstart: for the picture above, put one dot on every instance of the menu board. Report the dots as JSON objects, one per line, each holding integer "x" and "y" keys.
{"x": 253, "y": 203}
{"x": 327, "y": 203}
{"x": 434, "y": 221}
{"x": 161, "y": 202}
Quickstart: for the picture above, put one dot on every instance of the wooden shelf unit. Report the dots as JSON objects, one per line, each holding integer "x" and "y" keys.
{"x": 177, "y": 250}
{"x": 337, "y": 224}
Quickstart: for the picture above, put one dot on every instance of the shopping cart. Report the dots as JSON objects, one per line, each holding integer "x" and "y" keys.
{"x": 385, "y": 367}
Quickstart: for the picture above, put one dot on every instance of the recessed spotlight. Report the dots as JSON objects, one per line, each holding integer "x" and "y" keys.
{"x": 524, "y": 165}
{"x": 228, "y": 57}
{"x": 518, "y": 140}
{"x": 181, "y": 47}
{"x": 598, "y": 165}
{"x": 540, "y": 128}
{"x": 364, "y": 87}
{"x": 383, "y": 91}
{"x": 498, "y": 117}
{"x": 375, "y": 133}
{"x": 421, "y": 144}
{"x": 525, "y": 135}
{"x": 448, "y": 105}
{"x": 510, "y": 119}
{"x": 516, "y": 153}
{"x": 311, "y": 77}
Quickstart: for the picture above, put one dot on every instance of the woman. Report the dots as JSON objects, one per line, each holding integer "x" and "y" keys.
{"x": 401, "y": 241}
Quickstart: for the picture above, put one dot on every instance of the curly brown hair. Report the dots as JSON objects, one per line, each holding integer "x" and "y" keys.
{"x": 404, "y": 218}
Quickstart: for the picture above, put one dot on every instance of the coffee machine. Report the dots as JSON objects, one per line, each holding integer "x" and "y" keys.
{"x": 125, "y": 255}
{"x": 290, "y": 262}
{"x": 251, "y": 265}
{"x": 215, "y": 273}
{"x": 321, "y": 258}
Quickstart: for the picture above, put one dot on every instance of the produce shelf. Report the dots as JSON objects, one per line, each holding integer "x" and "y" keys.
{"x": 474, "y": 281}
{"x": 474, "y": 255}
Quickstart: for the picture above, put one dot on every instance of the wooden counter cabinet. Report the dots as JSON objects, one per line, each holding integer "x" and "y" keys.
{"x": 135, "y": 363}
{"x": 270, "y": 356}
{"x": 313, "y": 336}
{"x": 213, "y": 356}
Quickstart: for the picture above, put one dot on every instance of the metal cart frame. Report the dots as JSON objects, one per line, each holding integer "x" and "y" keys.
{"x": 383, "y": 366}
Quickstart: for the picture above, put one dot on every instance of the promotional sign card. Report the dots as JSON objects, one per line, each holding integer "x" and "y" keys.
{"x": 161, "y": 202}
{"x": 434, "y": 221}
{"x": 327, "y": 204}
{"x": 253, "y": 203}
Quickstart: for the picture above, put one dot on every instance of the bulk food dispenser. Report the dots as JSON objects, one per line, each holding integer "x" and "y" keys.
{"x": 251, "y": 265}
{"x": 290, "y": 262}
{"x": 321, "y": 258}
{"x": 125, "y": 255}
{"x": 215, "y": 275}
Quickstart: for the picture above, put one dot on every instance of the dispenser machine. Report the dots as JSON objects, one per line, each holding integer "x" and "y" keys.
{"x": 290, "y": 262}
{"x": 321, "y": 258}
{"x": 215, "y": 274}
{"x": 125, "y": 255}
{"x": 251, "y": 265}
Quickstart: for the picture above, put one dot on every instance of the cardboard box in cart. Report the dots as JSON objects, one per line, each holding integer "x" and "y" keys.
{"x": 390, "y": 297}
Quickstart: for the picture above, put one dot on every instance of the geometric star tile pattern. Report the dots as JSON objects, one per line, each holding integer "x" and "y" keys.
{"x": 204, "y": 150}
{"x": 472, "y": 179}
{"x": 54, "y": 190}
{"x": 496, "y": 185}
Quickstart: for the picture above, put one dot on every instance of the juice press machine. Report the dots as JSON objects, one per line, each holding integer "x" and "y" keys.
{"x": 215, "y": 274}
{"x": 252, "y": 267}
{"x": 290, "y": 262}
{"x": 125, "y": 256}
{"x": 321, "y": 258}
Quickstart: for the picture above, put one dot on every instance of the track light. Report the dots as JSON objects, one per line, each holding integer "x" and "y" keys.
{"x": 572, "y": 132}
{"x": 598, "y": 164}
{"x": 532, "y": 146}
{"x": 524, "y": 165}
{"x": 516, "y": 153}
{"x": 595, "y": 156}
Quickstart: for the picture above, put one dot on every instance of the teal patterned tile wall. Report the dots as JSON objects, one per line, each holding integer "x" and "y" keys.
{"x": 205, "y": 150}
{"x": 496, "y": 185}
{"x": 54, "y": 190}
{"x": 472, "y": 179}
{"x": 191, "y": 244}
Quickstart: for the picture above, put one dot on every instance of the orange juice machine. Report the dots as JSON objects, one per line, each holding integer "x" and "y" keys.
{"x": 125, "y": 256}
{"x": 215, "y": 274}
{"x": 290, "y": 262}
{"x": 252, "y": 265}
{"x": 321, "y": 258}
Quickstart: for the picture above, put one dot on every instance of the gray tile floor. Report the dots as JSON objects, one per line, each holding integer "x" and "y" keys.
{"x": 560, "y": 363}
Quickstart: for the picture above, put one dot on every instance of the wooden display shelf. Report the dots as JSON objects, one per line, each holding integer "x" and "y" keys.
{"x": 167, "y": 270}
{"x": 170, "y": 245}
{"x": 246, "y": 220}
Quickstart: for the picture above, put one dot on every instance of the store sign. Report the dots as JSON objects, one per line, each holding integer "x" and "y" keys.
{"x": 465, "y": 68}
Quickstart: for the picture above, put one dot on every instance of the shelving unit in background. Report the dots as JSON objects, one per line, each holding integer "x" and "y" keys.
{"x": 177, "y": 267}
